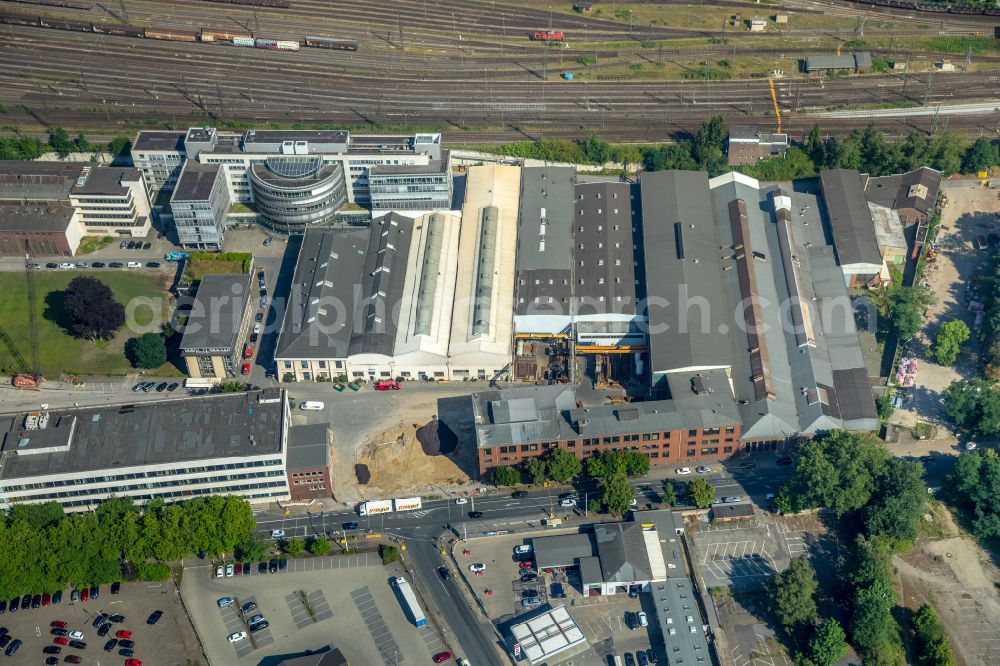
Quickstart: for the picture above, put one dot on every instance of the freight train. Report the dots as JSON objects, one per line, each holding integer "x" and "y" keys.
{"x": 55, "y": 3}
{"x": 179, "y": 34}
{"x": 281, "y": 4}
{"x": 548, "y": 36}
{"x": 937, "y": 7}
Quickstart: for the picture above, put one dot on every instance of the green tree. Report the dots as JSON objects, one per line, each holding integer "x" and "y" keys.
{"x": 874, "y": 631}
{"x": 389, "y": 554}
{"x": 294, "y": 547}
{"x": 605, "y": 465}
{"x": 932, "y": 646}
{"x": 980, "y": 156}
{"x": 814, "y": 146}
{"x": 792, "y": 594}
{"x": 617, "y": 494}
{"x": 897, "y": 504}
{"x": 906, "y": 310}
{"x": 535, "y": 467}
{"x": 668, "y": 156}
{"x": 149, "y": 350}
{"x": 974, "y": 405}
{"x": 561, "y": 465}
{"x": 119, "y": 145}
{"x": 59, "y": 141}
{"x": 251, "y": 550}
{"x": 319, "y": 546}
{"x": 828, "y": 644}
{"x": 949, "y": 340}
{"x": 883, "y": 405}
{"x": 668, "y": 493}
{"x": 92, "y": 306}
{"x": 38, "y": 515}
{"x": 505, "y": 476}
{"x": 594, "y": 506}
{"x": 636, "y": 463}
{"x": 701, "y": 493}
{"x": 974, "y": 486}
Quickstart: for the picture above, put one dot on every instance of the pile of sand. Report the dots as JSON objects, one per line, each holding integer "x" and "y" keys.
{"x": 397, "y": 462}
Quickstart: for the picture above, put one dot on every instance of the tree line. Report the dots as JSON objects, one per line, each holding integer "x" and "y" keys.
{"x": 46, "y": 549}
{"x": 989, "y": 333}
{"x": 611, "y": 469}
{"x": 865, "y": 149}
{"x": 878, "y": 499}
{"x": 19, "y": 147}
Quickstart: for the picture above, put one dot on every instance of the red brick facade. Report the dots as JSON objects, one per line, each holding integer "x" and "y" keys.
{"x": 306, "y": 484}
{"x": 675, "y": 446}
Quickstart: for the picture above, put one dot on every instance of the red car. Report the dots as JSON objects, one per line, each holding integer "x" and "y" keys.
{"x": 84, "y": 594}
{"x": 46, "y": 599}
{"x": 58, "y": 624}
{"x": 133, "y": 662}
{"x": 246, "y": 369}
{"x": 442, "y": 657}
{"x": 122, "y": 633}
{"x": 248, "y": 352}
{"x": 72, "y": 659}
{"x": 387, "y": 385}
{"x": 60, "y": 640}
{"x": 526, "y": 565}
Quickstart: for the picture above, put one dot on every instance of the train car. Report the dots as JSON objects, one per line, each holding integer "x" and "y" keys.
{"x": 173, "y": 35}
{"x": 223, "y": 35}
{"x": 276, "y": 44}
{"x": 331, "y": 43}
{"x": 548, "y": 36}
{"x": 118, "y": 29}
{"x": 65, "y": 24}
{"x": 244, "y": 41}
{"x": 55, "y": 3}
{"x": 19, "y": 19}
{"x": 281, "y": 4}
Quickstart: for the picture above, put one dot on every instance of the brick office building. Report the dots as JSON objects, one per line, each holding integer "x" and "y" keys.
{"x": 309, "y": 462}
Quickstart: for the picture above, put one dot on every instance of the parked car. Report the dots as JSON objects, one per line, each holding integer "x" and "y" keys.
{"x": 116, "y": 587}
{"x": 115, "y": 264}
{"x": 78, "y": 645}
{"x": 126, "y": 643}
{"x": 567, "y": 502}
{"x": 703, "y": 469}
{"x": 246, "y": 369}
{"x": 229, "y": 571}
{"x": 557, "y": 591}
{"x": 111, "y": 645}
{"x": 272, "y": 566}
{"x": 76, "y": 634}
{"x": 631, "y": 621}
{"x": 59, "y": 632}
{"x": 529, "y": 593}
{"x": 224, "y": 601}
{"x": 629, "y": 659}
{"x": 282, "y": 564}
{"x": 57, "y": 597}
{"x": 640, "y": 656}
{"x": 170, "y": 389}
{"x": 268, "y": 241}
{"x": 529, "y": 576}
{"x": 477, "y": 566}
{"x": 36, "y": 601}
{"x": 161, "y": 387}
{"x": 442, "y": 657}
{"x": 123, "y": 633}
{"x": 104, "y": 630}
{"x": 74, "y": 596}
{"x": 681, "y": 471}
{"x": 130, "y": 246}
{"x": 51, "y": 649}
{"x": 82, "y": 264}
{"x": 246, "y": 568}
{"x": 51, "y": 265}
{"x": 643, "y": 620}
{"x": 519, "y": 494}
{"x": 731, "y": 499}
{"x": 526, "y": 564}
{"x": 126, "y": 652}
{"x": 26, "y": 602}
{"x": 154, "y": 617}
{"x": 262, "y": 567}
{"x": 98, "y": 264}
{"x": 122, "y": 245}
{"x": 651, "y": 655}
{"x": 256, "y": 619}
{"x": 72, "y": 659}
{"x": 60, "y": 640}
{"x": 152, "y": 264}
{"x": 133, "y": 662}
{"x": 99, "y": 620}
{"x": 522, "y": 549}
{"x": 528, "y": 603}
{"x": 58, "y": 624}
{"x": 633, "y": 591}
{"x": 237, "y": 636}
{"x": 248, "y": 606}
{"x": 51, "y": 661}
{"x": 220, "y": 571}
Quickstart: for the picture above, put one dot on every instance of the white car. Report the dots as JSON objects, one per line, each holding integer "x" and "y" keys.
{"x": 567, "y": 502}
{"x": 277, "y": 534}
{"x": 461, "y": 500}
{"x": 643, "y": 620}
{"x": 681, "y": 471}
{"x": 237, "y": 636}
{"x": 229, "y": 571}
{"x": 704, "y": 470}
{"x": 76, "y": 634}
{"x": 731, "y": 499}
{"x": 66, "y": 264}
{"x": 134, "y": 264}
{"x": 477, "y": 566}
{"x": 220, "y": 571}
{"x": 970, "y": 446}
{"x": 523, "y": 549}
{"x": 256, "y": 328}
{"x": 634, "y": 502}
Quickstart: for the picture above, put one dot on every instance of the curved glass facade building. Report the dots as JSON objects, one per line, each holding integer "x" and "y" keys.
{"x": 292, "y": 193}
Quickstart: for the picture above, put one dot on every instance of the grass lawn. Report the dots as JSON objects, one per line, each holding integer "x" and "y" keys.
{"x": 58, "y": 350}
{"x": 90, "y": 244}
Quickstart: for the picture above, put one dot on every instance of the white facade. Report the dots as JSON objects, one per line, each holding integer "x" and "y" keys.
{"x": 121, "y": 210}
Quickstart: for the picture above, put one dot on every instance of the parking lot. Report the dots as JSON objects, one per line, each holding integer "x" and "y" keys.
{"x": 169, "y": 642}
{"x": 344, "y": 601}
{"x": 739, "y": 554}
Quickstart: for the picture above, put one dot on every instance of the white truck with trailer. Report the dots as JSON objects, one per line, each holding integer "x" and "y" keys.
{"x": 409, "y": 600}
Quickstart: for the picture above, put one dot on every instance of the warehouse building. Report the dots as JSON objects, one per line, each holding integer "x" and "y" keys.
{"x": 852, "y": 227}
{"x": 855, "y": 62}
{"x": 107, "y": 200}
{"x": 889, "y": 234}
{"x": 749, "y": 298}
{"x": 550, "y": 633}
{"x": 416, "y": 173}
{"x": 200, "y": 203}
{"x": 913, "y": 195}
{"x": 41, "y": 230}
{"x": 228, "y": 444}
{"x": 748, "y": 145}
{"x": 214, "y": 334}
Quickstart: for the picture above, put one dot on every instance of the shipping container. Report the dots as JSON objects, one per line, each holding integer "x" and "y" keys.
{"x": 224, "y": 36}
{"x": 409, "y": 600}
{"x": 243, "y": 41}
{"x": 375, "y": 507}
{"x": 407, "y": 504}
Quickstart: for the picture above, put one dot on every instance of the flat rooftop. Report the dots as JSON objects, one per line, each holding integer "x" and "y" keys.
{"x": 37, "y": 180}
{"x": 216, "y": 314}
{"x": 106, "y": 180}
{"x": 308, "y": 446}
{"x": 279, "y": 136}
{"x": 53, "y": 218}
{"x": 196, "y": 181}
{"x": 145, "y": 434}
{"x": 162, "y": 141}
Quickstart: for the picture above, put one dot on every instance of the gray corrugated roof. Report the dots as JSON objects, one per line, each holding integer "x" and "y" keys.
{"x": 382, "y": 284}
{"x": 319, "y": 317}
{"x": 682, "y": 257}
{"x": 35, "y": 219}
{"x": 742, "y": 510}
{"x": 216, "y": 313}
{"x": 608, "y": 260}
{"x": 897, "y": 191}
{"x": 37, "y": 180}
{"x": 308, "y": 446}
{"x": 562, "y": 550}
{"x": 849, "y": 217}
{"x": 543, "y": 259}
{"x": 816, "y": 63}
{"x": 150, "y": 433}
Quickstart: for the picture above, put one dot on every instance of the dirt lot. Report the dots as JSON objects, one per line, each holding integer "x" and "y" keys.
{"x": 969, "y": 211}
{"x": 395, "y": 459}
{"x": 956, "y": 576}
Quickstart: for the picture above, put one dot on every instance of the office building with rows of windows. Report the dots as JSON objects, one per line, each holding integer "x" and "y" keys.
{"x": 228, "y": 444}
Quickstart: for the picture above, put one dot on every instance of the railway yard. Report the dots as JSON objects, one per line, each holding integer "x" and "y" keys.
{"x": 482, "y": 71}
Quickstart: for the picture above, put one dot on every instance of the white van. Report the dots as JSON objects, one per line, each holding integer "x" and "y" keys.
{"x": 312, "y": 406}
{"x": 134, "y": 264}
